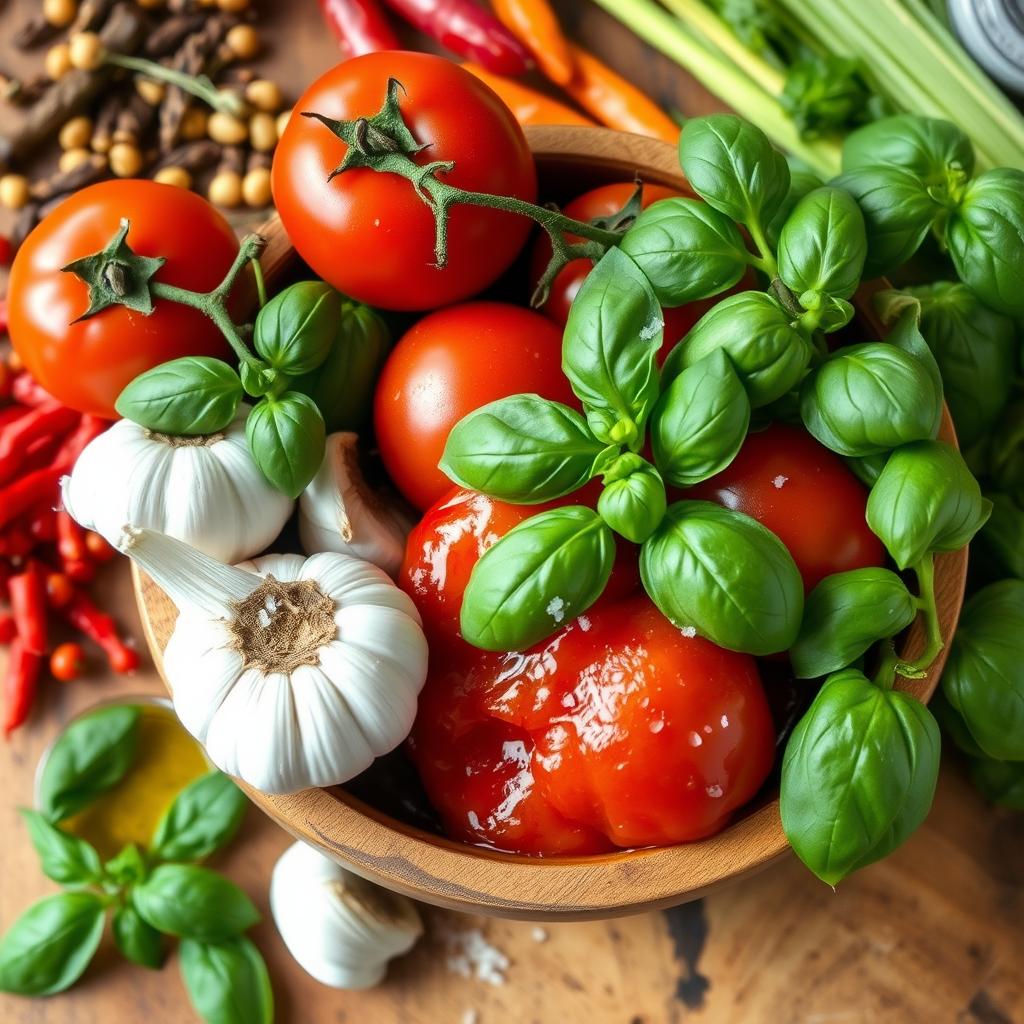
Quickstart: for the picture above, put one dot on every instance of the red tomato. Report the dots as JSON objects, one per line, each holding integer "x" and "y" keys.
{"x": 448, "y": 541}
{"x": 368, "y": 233}
{"x": 87, "y": 364}
{"x": 618, "y": 731}
{"x": 603, "y": 202}
{"x": 450, "y": 363}
{"x": 803, "y": 493}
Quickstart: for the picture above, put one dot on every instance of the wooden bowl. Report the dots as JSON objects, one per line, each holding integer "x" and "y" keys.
{"x": 463, "y": 877}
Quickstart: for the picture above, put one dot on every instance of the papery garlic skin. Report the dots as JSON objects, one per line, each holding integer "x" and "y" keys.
{"x": 339, "y": 512}
{"x": 340, "y": 928}
{"x": 208, "y": 492}
{"x": 317, "y": 725}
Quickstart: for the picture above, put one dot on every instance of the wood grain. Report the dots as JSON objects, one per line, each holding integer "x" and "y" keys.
{"x": 462, "y": 877}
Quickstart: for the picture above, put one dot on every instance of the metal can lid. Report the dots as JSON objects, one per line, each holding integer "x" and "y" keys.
{"x": 992, "y": 31}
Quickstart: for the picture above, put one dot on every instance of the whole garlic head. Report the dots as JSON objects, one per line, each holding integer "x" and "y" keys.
{"x": 340, "y": 512}
{"x": 206, "y": 491}
{"x": 340, "y": 928}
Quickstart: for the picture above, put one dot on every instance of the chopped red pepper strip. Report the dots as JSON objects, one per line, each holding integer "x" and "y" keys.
{"x": 70, "y": 539}
{"x": 41, "y": 424}
{"x": 28, "y": 605}
{"x": 35, "y": 488}
{"x": 101, "y": 629}
{"x": 26, "y": 390}
{"x": 23, "y": 668}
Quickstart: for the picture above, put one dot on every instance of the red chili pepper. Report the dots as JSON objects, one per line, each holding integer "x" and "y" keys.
{"x": 35, "y": 488}
{"x": 98, "y": 548}
{"x": 100, "y": 628}
{"x": 359, "y": 25}
{"x": 70, "y": 539}
{"x": 23, "y": 667}
{"x": 8, "y": 630}
{"x": 12, "y": 413}
{"x": 74, "y": 444}
{"x": 16, "y": 542}
{"x": 6, "y": 250}
{"x": 42, "y": 525}
{"x": 42, "y": 424}
{"x": 28, "y": 606}
{"x": 79, "y": 570}
{"x": 28, "y": 391}
{"x": 59, "y": 590}
{"x": 465, "y": 28}
{"x": 5, "y": 577}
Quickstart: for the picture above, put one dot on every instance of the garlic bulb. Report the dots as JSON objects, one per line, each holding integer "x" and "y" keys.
{"x": 340, "y": 928}
{"x": 207, "y": 491}
{"x": 339, "y": 512}
{"x": 292, "y": 672}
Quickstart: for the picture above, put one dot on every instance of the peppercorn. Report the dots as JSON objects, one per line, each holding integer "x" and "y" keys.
{"x": 125, "y": 160}
{"x": 225, "y": 189}
{"x": 85, "y": 51}
{"x": 75, "y": 133}
{"x": 13, "y": 191}
{"x": 256, "y": 187}
{"x": 282, "y": 122}
{"x": 150, "y": 90}
{"x": 243, "y": 41}
{"x": 264, "y": 95}
{"x": 193, "y": 124}
{"x": 72, "y": 158}
{"x": 227, "y": 130}
{"x": 59, "y": 13}
{"x": 262, "y": 132}
{"x": 57, "y": 61}
{"x": 177, "y": 176}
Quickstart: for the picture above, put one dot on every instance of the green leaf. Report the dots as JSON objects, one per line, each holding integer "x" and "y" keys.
{"x": 192, "y": 395}
{"x": 1002, "y": 537}
{"x": 983, "y": 681}
{"x": 137, "y": 941}
{"x": 633, "y": 501}
{"x": 732, "y": 166}
{"x": 538, "y": 577}
{"x": 523, "y": 449}
{"x": 66, "y": 859}
{"x": 723, "y": 575}
{"x": 611, "y": 339}
{"x": 50, "y": 944}
{"x": 801, "y": 182}
{"x": 845, "y": 614}
{"x": 1006, "y": 451}
{"x": 985, "y": 237}
{"x": 296, "y": 329}
{"x": 868, "y": 398}
{"x": 1000, "y": 782}
{"x": 823, "y": 245}
{"x": 127, "y": 867}
{"x": 686, "y": 249}
{"x": 227, "y": 981}
{"x": 204, "y": 817}
{"x": 93, "y": 754}
{"x": 868, "y": 468}
{"x": 925, "y": 499}
{"x": 768, "y": 353}
{"x": 286, "y": 437}
{"x": 343, "y": 385}
{"x": 193, "y": 903}
{"x": 905, "y": 335}
{"x": 700, "y": 421}
{"x": 858, "y": 775}
{"x": 898, "y": 214}
{"x": 923, "y": 146}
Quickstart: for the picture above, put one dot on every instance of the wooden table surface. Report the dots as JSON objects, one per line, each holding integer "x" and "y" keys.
{"x": 933, "y": 934}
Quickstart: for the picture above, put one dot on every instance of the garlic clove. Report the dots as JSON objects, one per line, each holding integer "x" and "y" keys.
{"x": 340, "y": 512}
{"x": 340, "y": 928}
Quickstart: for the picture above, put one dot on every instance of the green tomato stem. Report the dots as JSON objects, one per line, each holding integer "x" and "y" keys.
{"x": 261, "y": 286}
{"x": 925, "y": 572}
{"x": 221, "y": 100}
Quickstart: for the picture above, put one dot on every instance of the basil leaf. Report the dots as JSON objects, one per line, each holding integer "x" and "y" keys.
{"x": 858, "y": 776}
{"x": 633, "y": 503}
{"x": 700, "y": 421}
{"x": 732, "y": 166}
{"x": 868, "y": 398}
{"x": 868, "y": 468}
{"x": 953, "y": 725}
{"x": 192, "y": 395}
{"x": 898, "y": 214}
{"x": 767, "y": 352}
{"x": 342, "y": 386}
{"x": 906, "y": 336}
{"x": 823, "y": 245}
{"x": 985, "y": 236}
{"x": 50, "y": 944}
{"x": 227, "y": 981}
{"x": 541, "y": 574}
{"x": 66, "y": 859}
{"x": 611, "y": 339}
{"x": 204, "y": 816}
{"x": 523, "y": 449}
{"x": 1002, "y": 537}
{"x": 295, "y": 330}
{"x": 845, "y": 614}
{"x": 93, "y": 753}
{"x": 139, "y": 942}
{"x": 976, "y": 351}
{"x": 724, "y": 575}
{"x": 194, "y": 903}
{"x": 127, "y": 867}
{"x": 982, "y": 680}
{"x": 924, "y": 146}
{"x": 925, "y": 499}
{"x": 801, "y": 182}
{"x": 286, "y": 437}
{"x": 1006, "y": 455}
{"x": 1000, "y": 782}
{"x": 686, "y": 249}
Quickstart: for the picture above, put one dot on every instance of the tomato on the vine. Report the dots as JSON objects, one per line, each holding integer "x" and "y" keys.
{"x": 448, "y": 364}
{"x": 368, "y": 233}
{"x": 86, "y": 363}
{"x": 805, "y": 494}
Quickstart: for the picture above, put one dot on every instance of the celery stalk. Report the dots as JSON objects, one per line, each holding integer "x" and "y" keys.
{"x": 657, "y": 27}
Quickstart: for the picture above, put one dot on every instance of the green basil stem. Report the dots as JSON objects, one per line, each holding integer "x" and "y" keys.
{"x": 222, "y": 100}
{"x": 261, "y": 285}
{"x": 925, "y": 572}
{"x": 767, "y": 261}
{"x": 885, "y": 675}
{"x": 213, "y": 304}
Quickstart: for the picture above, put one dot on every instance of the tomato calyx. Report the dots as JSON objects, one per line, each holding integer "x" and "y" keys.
{"x": 384, "y": 143}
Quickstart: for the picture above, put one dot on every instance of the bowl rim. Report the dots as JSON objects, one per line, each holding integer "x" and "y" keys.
{"x": 472, "y": 879}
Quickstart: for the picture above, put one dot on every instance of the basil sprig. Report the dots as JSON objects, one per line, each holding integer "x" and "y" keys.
{"x": 148, "y": 895}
